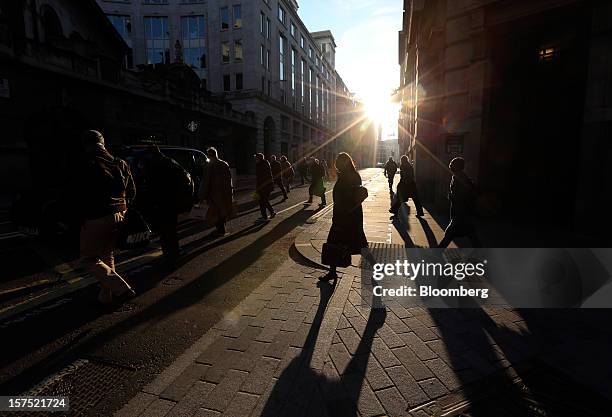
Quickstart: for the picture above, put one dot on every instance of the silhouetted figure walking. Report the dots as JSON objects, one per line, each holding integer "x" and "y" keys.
{"x": 106, "y": 187}
{"x": 317, "y": 187}
{"x": 406, "y": 189}
{"x": 347, "y": 220}
{"x": 217, "y": 189}
{"x": 277, "y": 174}
{"x": 287, "y": 173}
{"x": 390, "y": 171}
{"x": 264, "y": 186}
{"x": 462, "y": 196}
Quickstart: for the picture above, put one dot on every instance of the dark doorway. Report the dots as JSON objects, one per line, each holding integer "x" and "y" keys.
{"x": 269, "y": 135}
{"x": 532, "y": 131}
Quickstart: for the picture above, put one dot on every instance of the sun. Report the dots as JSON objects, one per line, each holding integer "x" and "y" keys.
{"x": 380, "y": 110}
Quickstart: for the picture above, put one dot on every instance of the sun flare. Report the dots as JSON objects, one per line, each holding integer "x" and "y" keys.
{"x": 381, "y": 110}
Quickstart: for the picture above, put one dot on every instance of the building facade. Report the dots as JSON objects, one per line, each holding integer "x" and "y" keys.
{"x": 258, "y": 54}
{"x": 61, "y": 71}
{"x": 521, "y": 90}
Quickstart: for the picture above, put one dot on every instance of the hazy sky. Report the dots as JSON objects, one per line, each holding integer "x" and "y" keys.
{"x": 366, "y": 33}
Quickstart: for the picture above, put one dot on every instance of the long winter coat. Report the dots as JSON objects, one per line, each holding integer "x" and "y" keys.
{"x": 347, "y": 220}
{"x": 264, "y": 183}
{"x": 217, "y": 187}
{"x": 407, "y": 187}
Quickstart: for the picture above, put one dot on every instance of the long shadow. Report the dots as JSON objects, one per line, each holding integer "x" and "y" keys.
{"x": 499, "y": 368}
{"x": 432, "y": 242}
{"x": 180, "y": 299}
{"x": 301, "y": 391}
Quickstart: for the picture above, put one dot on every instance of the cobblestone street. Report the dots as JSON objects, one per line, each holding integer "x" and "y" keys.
{"x": 298, "y": 347}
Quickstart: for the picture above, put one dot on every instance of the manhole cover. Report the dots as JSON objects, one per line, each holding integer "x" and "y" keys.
{"x": 84, "y": 381}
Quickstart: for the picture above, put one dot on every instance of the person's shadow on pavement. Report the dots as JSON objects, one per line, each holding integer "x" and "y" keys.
{"x": 302, "y": 391}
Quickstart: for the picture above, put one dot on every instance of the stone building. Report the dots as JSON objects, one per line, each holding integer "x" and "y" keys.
{"x": 523, "y": 91}
{"x": 258, "y": 54}
{"x": 61, "y": 71}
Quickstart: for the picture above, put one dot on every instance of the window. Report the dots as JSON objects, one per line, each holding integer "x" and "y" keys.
{"x": 263, "y": 84}
{"x": 123, "y": 25}
{"x": 262, "y": 55}
{"x": 238, "y": 51}
{"x": 310, "y": 52}
{"x": 227, "y": 83}
{"x": 237, "y": 16}
{"x": 193, "y": 35}
{"x": 302, "y": 42}
{"x": 281, "y": 43}
{"x": 324, "y": 47}
{"x": 304, "y": 75}
{"x": 262, "y": 23}
{"x": 224, "y": 17}
{"x": 281, "y": 14}
{"x": 293, "y": 30}
{"x": 239, "y": 85}
{"x": 310, "y": 89}
{"x": 293, "y": 59}
{"x": 268, "y": 53}
{"x": 157, "y": 39}
{"x": 155, "y": 2}
{"x": 225, "y": 52}
{"x": 268, "y": 28}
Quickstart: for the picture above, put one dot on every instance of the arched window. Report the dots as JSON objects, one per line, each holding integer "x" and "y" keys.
{"x": 52, "y": 25}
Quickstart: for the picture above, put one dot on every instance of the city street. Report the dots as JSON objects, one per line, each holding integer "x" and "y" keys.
{"x": 443, "y": 249}
{"x": 243, "y": 327}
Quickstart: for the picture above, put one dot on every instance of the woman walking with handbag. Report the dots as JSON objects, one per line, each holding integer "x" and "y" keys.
{"x": 346, "y": 236}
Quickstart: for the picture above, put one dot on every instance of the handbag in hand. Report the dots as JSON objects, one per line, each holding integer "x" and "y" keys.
{"x": 361, "y": 194}
{"x": 135, "y": 231}
{"x": 336, "y": 255}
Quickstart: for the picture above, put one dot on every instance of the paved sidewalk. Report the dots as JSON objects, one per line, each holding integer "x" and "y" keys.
{"x": 297, "y": 347}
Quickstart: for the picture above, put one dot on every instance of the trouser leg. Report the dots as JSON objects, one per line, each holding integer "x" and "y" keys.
{"x": 98, "y": 239}
{"x": 220, "y": 225}
{"x": 168, "y": 235}
{"x": 262, "y": 207}
{"x": 282, "y": 188}
{"x": 417, "y": 204}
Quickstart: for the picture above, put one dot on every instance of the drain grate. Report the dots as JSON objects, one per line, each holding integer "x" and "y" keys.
{"x": 85, "y": 382}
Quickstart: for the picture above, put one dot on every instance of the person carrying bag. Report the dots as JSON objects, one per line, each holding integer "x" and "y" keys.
{"x": 346, "y": 236}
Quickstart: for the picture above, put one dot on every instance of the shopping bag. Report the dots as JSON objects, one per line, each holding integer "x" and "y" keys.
{"x": 199, "y": 212}
{"x": 134, "y": 232}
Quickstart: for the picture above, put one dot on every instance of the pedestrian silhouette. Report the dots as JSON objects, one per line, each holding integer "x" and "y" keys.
{"x": 462, "y": 196}
{"x": 390, "y": 171}
{"x": 407, "y": 188}
{"x": 347, "y": 219}
{"x": 264, "y": 186}
{"x": 106, "y": 188}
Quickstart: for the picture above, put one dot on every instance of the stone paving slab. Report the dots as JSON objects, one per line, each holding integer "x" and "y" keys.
{"x": 297, "y": 347}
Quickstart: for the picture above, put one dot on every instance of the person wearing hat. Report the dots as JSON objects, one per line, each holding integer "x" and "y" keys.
{"x": 462, "y": 196}
{"x": 106, "y": 189}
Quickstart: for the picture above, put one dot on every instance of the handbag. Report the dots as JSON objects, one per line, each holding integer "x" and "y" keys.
{"x": 135, "y": 231}
{"x": 362, "y": 194}
{"x": 336, "y": 255}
